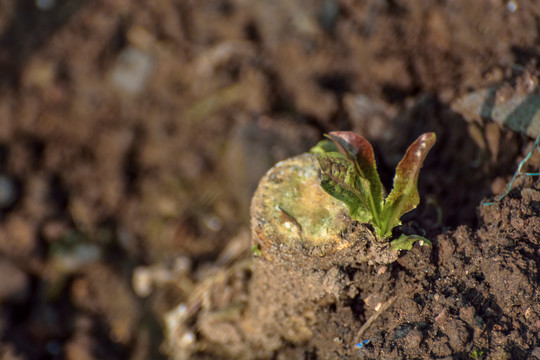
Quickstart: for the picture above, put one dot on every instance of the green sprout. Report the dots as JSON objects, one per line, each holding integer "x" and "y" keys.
{"x": 476, "y": 354}
{"x": 256, "y": 251}
{"x": 349, "y": 174}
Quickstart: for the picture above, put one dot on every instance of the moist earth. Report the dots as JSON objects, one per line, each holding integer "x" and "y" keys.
{"x": 134, "y": 133}
{"x": 474, "y": 294}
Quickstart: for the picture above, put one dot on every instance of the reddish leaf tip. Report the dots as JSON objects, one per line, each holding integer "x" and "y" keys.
{"x": 352, "y": 144}
{"x": 423, "y": 144}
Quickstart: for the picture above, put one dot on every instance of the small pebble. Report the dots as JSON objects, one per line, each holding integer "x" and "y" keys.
{"x": 512, "y": 6}
{"x": 141, "y": 281}
{"x": 132, "y": 70}
{"x": 442, "y": 317}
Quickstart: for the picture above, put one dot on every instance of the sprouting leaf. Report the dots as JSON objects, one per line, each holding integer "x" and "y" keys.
{"x": 404, "y": 195}
{"x": 340, "y": 181}
{"x": 359, "y": 152}
{"x": 324, "y": 146}
{"x": 350, "y": 175}
{"x": 406, "y": 242}
{"x": 256, "y": 250}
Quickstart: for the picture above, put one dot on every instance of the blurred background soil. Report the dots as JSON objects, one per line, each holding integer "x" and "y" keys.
{"x": 133, "y": 133}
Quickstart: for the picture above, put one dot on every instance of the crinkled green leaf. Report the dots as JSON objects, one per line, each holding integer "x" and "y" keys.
{"x": 406, "y": 242}
{"x": 404, "y": 195}
{"x": 340, "y": 181}
{"x": 359, "y": 151}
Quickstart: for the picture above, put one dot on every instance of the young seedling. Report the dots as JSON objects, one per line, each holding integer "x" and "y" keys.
{"x": 304, "y": 243}
{"x": 349, "y": 174}
{"x": 476, "y": 354}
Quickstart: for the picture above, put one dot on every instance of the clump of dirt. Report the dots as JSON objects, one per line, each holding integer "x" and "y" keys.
{"x": 302, "y": 238}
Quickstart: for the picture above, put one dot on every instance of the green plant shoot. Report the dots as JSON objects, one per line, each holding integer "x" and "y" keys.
{"x": 349, "y": 174}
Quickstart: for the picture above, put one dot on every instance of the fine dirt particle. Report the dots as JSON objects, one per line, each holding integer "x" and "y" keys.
{"x": 442, "y": 317}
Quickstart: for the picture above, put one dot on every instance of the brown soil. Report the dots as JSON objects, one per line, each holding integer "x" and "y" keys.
{"x": 133, "y": 134}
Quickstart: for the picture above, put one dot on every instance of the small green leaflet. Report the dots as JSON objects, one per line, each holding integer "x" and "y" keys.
{"x": 406, "y": 242}
{"x": 404, "y": 196}
{"x": 340, "y": 181}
